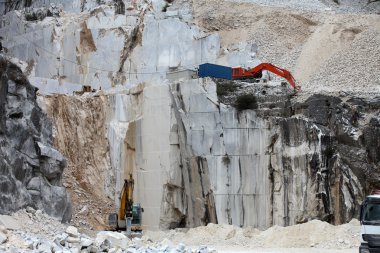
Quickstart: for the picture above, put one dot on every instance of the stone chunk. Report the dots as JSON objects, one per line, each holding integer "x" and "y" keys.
{"x": 9, "y": 222}
{"x": 105, "y": 245}
{"x": 71, "y": 239}
{"x": 50, "y": 152}
{"x": 3, "y": 229}
{"x": 45, "y": 246}
{"x": 38, "y": 214}
{"x": 34, "y": 184}
{"x": 3, "y": 238}
{"x": 92, "y": 249}
{"x": 61, "y": 239}
{"x": 116, "y": 239}
{"x": 85, "y": 242}
{"x": 72, "y": 231}
{"x": 30, "y": 210}
{"x": 75, "y": 250}
{"x": 56, "y": 247}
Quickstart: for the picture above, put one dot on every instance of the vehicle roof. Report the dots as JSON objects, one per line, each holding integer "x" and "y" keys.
{"x": 377, "y": 196}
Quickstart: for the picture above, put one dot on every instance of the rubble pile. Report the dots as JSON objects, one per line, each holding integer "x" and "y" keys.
{"x": 31, "y": 230}
{"x": 313, "y": 234}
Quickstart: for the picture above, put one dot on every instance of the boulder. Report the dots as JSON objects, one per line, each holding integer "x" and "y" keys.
{"x": 3, "y": 237}
{"x": 45, "y": 246}
{"x": 116, "y": 239}
{"x": 92, "y": 249}
{"x": 71, "y": 239}
{"x": 56, "y": 247}
{"x": 75, "y": 250}
{"x": 105, "y": 245}
{"x": 9, "y": 222}
{"x": 38, "y": 214}
{"x": 72, "y": 231}
{"x": 61, "y": 239}
{"x": 30, "y": 210}
{"x": 112, "y": 250}
{"x": 85, "y": 242}
{"x": 3, "y": 229}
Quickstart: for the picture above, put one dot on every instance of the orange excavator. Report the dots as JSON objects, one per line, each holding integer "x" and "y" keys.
{"x": 239, "y": 73}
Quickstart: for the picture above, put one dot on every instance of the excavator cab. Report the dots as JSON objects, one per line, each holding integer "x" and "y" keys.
{"x": 137, "y": 211}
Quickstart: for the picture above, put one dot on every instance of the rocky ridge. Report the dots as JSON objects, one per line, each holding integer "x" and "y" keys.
{"x": 31, "y": 169}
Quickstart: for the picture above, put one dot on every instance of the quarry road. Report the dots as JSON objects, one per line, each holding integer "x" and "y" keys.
{"x": 286, "y": 250}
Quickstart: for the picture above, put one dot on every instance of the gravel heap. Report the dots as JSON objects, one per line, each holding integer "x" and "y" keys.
{"x": 315, "y": 233}
{"x": 314, "y": 5}
{"x": 354, "y": 68}
{"x": 34, "y": 231}
{"x": 344, "y": 6}
{"x": 326, "y": 51}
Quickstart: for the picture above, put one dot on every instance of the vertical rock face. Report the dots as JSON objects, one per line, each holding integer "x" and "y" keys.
{"x": 68, "y": 51}
{"x": 72, "y": 5}
{"x": 31, "y": 169}
{"x": 226, "y": 150}
{"x": 196, "y": 160}
{"x": 345, "y": 167}
{"x": 283, "y": 163}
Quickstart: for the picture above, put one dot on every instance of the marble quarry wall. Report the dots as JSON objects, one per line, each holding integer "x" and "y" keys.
{"x": 195, "y": 158}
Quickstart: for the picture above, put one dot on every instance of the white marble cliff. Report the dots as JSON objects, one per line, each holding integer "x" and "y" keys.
{"x": 195, "y": 160}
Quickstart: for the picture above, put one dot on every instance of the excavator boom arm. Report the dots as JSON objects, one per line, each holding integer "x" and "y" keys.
{"x": 126, "y": 201}
{"x": 239, "y": 73}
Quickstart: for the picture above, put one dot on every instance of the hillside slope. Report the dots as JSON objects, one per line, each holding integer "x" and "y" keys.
{"x": 325, "y": 51}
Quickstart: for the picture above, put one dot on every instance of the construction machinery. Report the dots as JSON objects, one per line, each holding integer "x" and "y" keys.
{"x": 370, "y": 223}
{"x": 129, "y": 215}
{"x": 239, "y": 73}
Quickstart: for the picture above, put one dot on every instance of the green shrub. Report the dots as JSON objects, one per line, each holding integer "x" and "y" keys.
{"x": 246, "y": 102}
{"x": 226, "y": 87}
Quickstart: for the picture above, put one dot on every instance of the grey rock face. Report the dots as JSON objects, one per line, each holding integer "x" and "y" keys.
{"x": 282, "y": 163}
{"x": 46, "y": 8}
{"x": 30, "y": 168}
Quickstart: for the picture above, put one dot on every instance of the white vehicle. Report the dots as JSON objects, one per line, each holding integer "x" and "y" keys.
{"x": 370, "y": 224}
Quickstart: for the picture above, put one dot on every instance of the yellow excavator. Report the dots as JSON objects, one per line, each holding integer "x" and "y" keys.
{"x": 129, "y": 216}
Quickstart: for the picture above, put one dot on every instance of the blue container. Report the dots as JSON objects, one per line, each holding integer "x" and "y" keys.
{"x": 213, "y": 70}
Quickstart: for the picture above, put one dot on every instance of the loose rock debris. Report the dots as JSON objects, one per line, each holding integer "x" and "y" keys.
{"x": 34, "y": 231}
